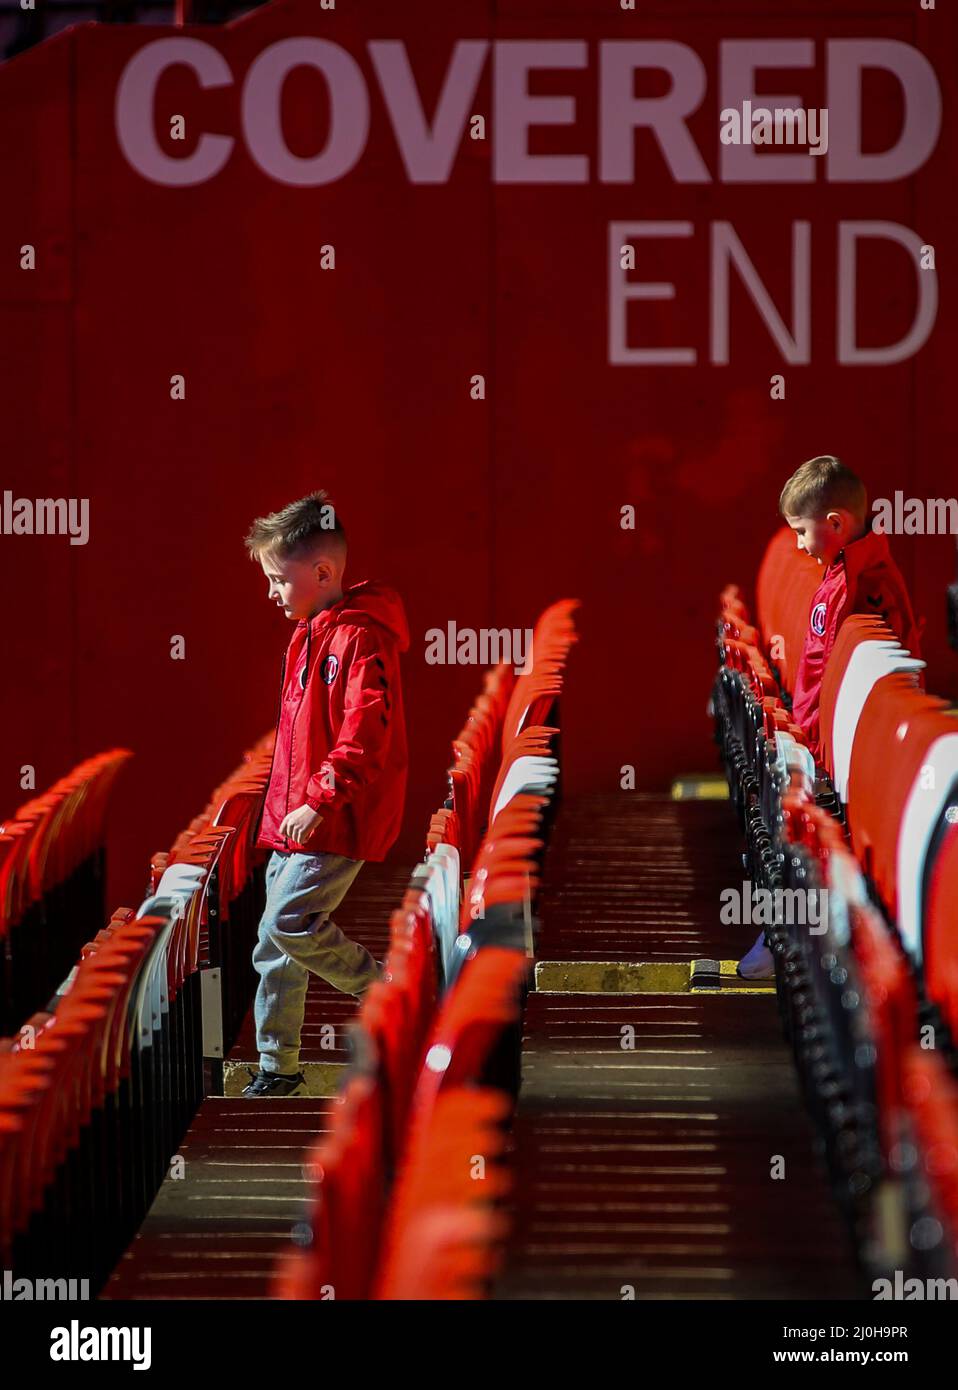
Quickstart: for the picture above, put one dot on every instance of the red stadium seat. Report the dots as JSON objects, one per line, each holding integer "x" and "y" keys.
{"x": 903, "y": 766}
{"x": 940, "y": 945}
{"x": 787, "y": 581}
{"x": 444, "y": 1234}
{"x": 346, "y": 1167}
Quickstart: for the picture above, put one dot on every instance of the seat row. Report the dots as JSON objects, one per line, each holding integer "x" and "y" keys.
{"x": 862, "y": 1042}
{"x": 876, "y": 824}
{"x": 52, "y": 883}
{"x": 98, "y": 1088}
{"x": 234, "y": 903}
{"x": 407, "y": 1184}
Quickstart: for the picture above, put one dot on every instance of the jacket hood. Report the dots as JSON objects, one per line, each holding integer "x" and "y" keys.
{"x": 369, "y": 601}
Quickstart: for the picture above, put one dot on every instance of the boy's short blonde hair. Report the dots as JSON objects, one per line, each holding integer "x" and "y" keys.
{"x": 307, "y": 526}
{"x": 821, "y": 485}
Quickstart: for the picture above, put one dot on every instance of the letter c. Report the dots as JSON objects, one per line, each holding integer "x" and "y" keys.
{"x": 135, "y": 98}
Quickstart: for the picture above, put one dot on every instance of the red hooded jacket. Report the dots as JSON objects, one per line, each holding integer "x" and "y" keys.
{"x": 863, "y": 578}
{"x": 341, "y": 735}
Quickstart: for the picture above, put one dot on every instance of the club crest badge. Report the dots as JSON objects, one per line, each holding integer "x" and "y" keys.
{"x": 329, "y": 668}
{"x": 818, "y": 619}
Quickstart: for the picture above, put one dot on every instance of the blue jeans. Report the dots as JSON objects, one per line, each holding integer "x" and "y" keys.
{"x": 296, "y": 937}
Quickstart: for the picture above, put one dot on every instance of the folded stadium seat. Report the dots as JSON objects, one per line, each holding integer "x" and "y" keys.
{"x": 117, "y": 958}
{"x": 825, "y": 1005}
{"x": 238, "y": 810}
{"x": 381, "y": 1046}
{"x": 903, "y": 768}
{"x": 931, "y": 1093}
{"x": 51, "y": 881}
{"x": 11, "y": 1128}
{"x": 787, "y": 581}
{"x": 474, "y": 1028}
{"x": 228, "y": 932}
{"x": 148, "y": 1036}
{"x": 14, "y": 850}
{"x": 169, "y": 1004}
{"x": 68, "y": 1199}
{"x": 451, "y": 1252}
{"x": 77, "y": 1033}
{"x": 940, "y": 937}
{"x": 443, "y": 1237}
{"x": 735, "y": 629}
{"x": 741, "y": 656}
{"x": 504, "y": 872}
{"x": 865, "y": 651}
{"x": 521, "y": 772}
{"x": 412, "y": 968}
{"x": 346, "y": 1168}
{"x": 444, "y": 829}
{"x": 145, "y": 1053}
{"x": 104, "y": 991}
{"x": 535, "y": 701}
{"x": 91, "y": 821}
{"x": 440, "y": 879}
{"x": 890, "y": 995}
{"x": 182, "y": 894}
{"x": 24, "y": 1084}
{"x": 159, "y": 863}
{"x": 536, "y": 690}
{"x": 521, "y": 815}
{"x": 928, "y": 818}
{"x": 74, "y": 826}
{"x": 474, "y": 1042}
{"x": 464, "y": 799}
{"x": 508, "y": 705}
{"x": 26, "y": 933}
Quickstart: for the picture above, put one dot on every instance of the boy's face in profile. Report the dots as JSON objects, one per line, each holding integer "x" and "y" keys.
{"x": 297, "y": 586}
{"x": 823, "y": 537}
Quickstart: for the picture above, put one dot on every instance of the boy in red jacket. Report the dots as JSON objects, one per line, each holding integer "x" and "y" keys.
{"x": 826, "y": 505}
{"x": 338, "y": 777}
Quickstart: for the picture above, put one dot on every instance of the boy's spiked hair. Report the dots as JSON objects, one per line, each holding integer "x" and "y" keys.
{"x": 305, "y": 525}
{"x": 821, "y": 485}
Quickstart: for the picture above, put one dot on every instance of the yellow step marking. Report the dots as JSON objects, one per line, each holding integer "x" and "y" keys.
{"x": 642, "y": 977}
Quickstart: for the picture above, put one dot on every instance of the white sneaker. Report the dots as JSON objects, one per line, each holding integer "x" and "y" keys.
{"x": 759, "y": 964}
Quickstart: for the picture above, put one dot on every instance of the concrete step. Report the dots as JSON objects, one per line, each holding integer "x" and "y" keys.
{"x": 217, "y": 1230}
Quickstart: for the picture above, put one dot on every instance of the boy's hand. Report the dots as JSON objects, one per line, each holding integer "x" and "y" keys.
{"x": 299, "y": 825}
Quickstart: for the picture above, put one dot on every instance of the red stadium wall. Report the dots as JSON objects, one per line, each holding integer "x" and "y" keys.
{"x": 357, "y": 379}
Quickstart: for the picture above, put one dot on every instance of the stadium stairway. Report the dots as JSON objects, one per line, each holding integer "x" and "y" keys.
{"x": 218, "y": 1235}
{"x": 642, "y": 1159}
{"x": 655, "y": 1100}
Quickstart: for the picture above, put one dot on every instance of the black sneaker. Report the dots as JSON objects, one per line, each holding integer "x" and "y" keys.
{"x": 273, "y": 1083}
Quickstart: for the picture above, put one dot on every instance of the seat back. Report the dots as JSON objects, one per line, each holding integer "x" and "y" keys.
{"x": 940, "y": 945}
{"x": 903, "y": 766}
{"x": 787, "y": 581}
